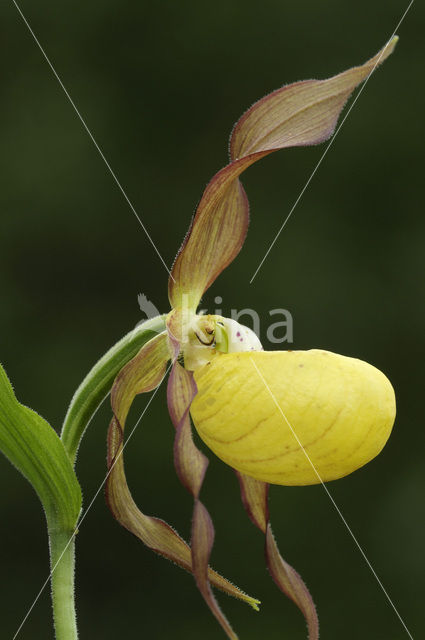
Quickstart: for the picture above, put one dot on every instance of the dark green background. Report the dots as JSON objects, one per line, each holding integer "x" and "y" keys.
{"x": 160, "y": 85}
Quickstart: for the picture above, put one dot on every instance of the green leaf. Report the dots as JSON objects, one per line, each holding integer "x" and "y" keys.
{"x": 35, "y": 449}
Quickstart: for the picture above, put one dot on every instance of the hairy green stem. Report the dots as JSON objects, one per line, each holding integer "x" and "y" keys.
{"x": 87, "y": 399}
{"x": 62, "y": 559}
{"x": 98, "y": 382}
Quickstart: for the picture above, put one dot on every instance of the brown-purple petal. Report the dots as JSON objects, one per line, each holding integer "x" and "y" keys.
{"x": 142, "y": 374}
{"x": 254, "y": 497}
{"x": 303, "y": 113}
{"x": 191, "y": 466}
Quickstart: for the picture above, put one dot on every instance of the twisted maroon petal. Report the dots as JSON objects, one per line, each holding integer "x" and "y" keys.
{"x": 191, "y": 465}
{"x": 144, "y": 373}
{"x": 254, "y": 497}
{"x": 298, "y": 114}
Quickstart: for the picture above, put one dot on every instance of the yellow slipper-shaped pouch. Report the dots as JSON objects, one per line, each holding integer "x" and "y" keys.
{"x": 293, "y": 417}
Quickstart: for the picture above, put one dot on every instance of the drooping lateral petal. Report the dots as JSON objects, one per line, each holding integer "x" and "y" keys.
{"x": 153, "y": 532}
{"x": 303, "y": 113}
{"x": 191, "y": 465}
{"x": 291, "y": 584}
{"x": 254, "y": 494}
{"x": 144, "y": 373}
{"x": 202, "y": 543}
{"x": 254, "y": 497}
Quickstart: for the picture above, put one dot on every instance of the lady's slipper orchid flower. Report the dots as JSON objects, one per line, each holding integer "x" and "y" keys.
{"x": 292, "y": 418}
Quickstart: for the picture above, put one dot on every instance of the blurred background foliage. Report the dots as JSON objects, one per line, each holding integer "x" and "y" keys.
{"x": 160, "y": 85}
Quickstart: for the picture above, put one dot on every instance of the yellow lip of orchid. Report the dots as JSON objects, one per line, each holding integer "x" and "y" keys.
{"x": 291, "y": 418}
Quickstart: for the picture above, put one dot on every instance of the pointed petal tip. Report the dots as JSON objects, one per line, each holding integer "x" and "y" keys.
{"x": 299, "y": 114}
{"x": 255, "y": 604}
{"x": 388, "y": 48}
